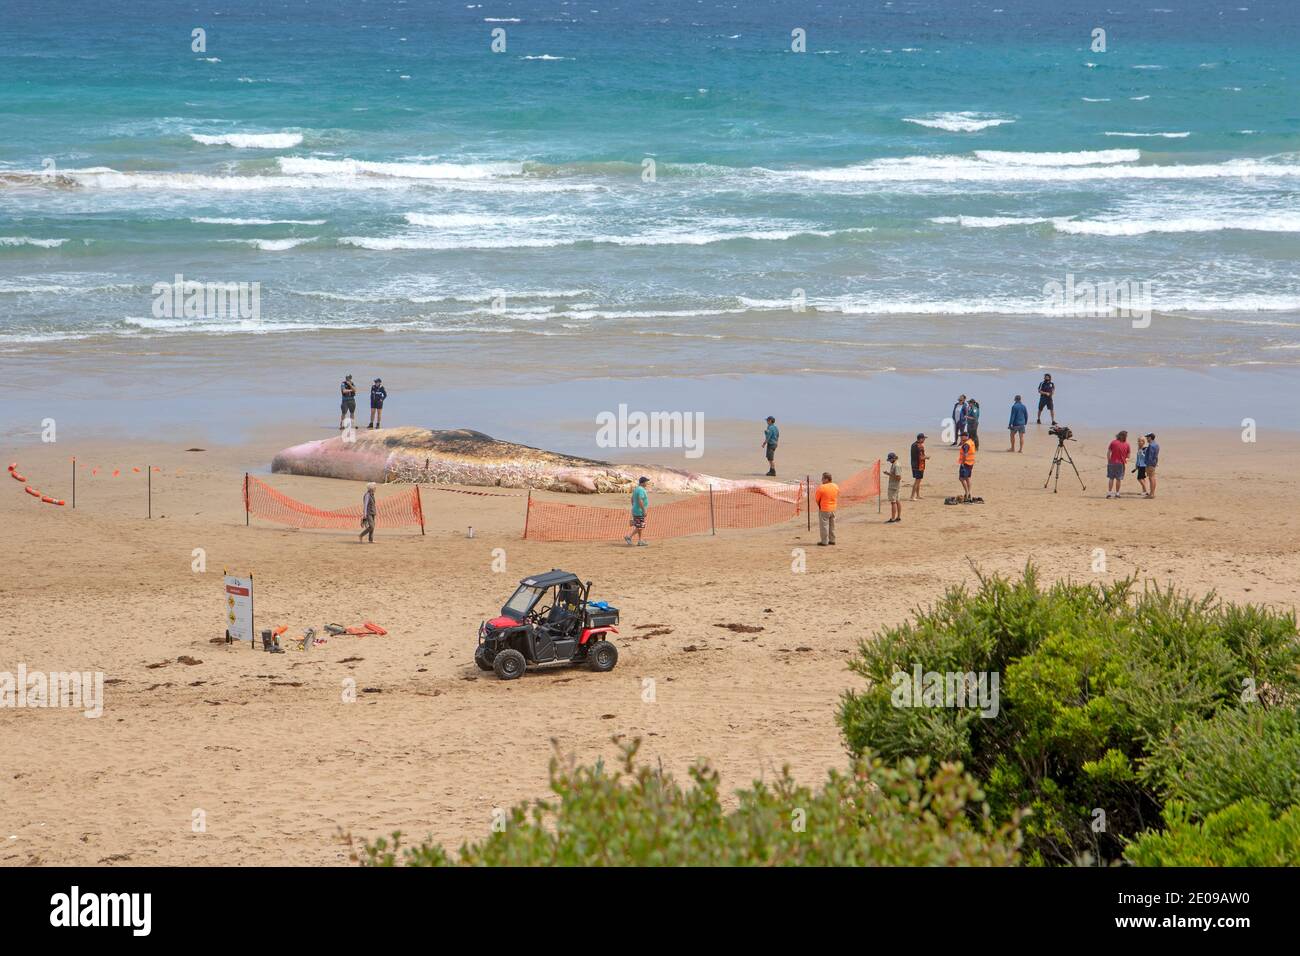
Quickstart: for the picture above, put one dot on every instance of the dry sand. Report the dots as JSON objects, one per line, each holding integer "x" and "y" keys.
{"x": 266, "y": 747}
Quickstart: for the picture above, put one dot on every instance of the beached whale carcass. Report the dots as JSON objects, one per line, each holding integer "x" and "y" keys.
{"x": 461, "y": 456}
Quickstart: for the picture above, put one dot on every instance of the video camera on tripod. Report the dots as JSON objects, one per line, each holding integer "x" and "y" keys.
{"x": 1063, "y": 434}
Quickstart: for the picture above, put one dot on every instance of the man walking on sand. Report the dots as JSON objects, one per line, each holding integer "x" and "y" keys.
{"x": 826, "y": 496}
{"x": 895, "y": 475}
{"x": 640, "y": 508}
{"x": 965, "y": 464}
{"x": 1016, "y": 425}
{"x": 348, "y": 406}
{"x": 771, "y": 435}
{"x": 1046, "y": 398}
{"x": 377, "y": 395}
{"x": 1116, "y": 461}
{"x": 1153, "y": 459}
{"x": 368, "y": 514}
{"x": 919, "y": 458}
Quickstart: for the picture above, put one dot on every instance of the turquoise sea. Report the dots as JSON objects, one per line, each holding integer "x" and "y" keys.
{"x": 665, "y": 185}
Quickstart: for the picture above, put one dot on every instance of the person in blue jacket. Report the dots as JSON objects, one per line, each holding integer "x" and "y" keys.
{"x": 1019, "y": 419}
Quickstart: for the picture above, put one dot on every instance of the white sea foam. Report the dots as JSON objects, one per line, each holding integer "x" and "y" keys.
{"x": 272, "y": 245}
{"x": 232, "y": 221}
{"x": 250, "y": 140}
{"x": 962, "y": 122}
{"x": 309, "y": 166}
{"x": 686, "y": 236}
{"x": 965, "y": 169}
{"x": 987, "y": 222}
{"x": 471, "y": 220}
{"x": 29, "y": 241}
{"x": 1182, "y": 135}
{"x": 1137, "y": 227}
{"x": 1081, "y": 158}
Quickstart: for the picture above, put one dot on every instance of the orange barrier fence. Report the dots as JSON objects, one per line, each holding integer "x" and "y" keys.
{"x": 700, "y": 514}
{"x": 393, "y": 511}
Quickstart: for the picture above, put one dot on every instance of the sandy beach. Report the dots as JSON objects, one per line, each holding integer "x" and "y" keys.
{"x": 265, "y": 746}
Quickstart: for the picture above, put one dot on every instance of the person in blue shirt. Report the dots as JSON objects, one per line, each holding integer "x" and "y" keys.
{"x": 771, "y": 435}
{"x": 640, "y": 508}
{"x": 1153, "y": 461}
{"x": 959, "y": 420}
{"x": 1019, "y": 419}
{"x": 377, "y": 395}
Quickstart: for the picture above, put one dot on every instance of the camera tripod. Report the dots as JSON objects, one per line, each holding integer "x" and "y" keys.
{"x": 1054, "y": 469}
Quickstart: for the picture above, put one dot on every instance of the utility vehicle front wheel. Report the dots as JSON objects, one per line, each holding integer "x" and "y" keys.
{"x": 509, "y": 664}
{"x": 603, "y": 656}
{"x": 483, "y": 658}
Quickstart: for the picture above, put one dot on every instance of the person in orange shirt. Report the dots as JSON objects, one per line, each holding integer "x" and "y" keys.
{"x": 826, "y": 496}
{"x": 965, "y": 463}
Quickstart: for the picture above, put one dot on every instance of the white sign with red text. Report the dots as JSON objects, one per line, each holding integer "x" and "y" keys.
{"x": 239, "y": 607}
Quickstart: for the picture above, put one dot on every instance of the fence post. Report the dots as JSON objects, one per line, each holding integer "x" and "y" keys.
{"x": 807, "y": 485}
{"x": 74, "y": 481}
{"x": 245, "y": 499}
{"x": 419, "y": 507}
{"x": 713, "y": 528}
{"x": 528, "y": 509}
{"x": 149, "y": 486}
{"x": 878, "y": 483}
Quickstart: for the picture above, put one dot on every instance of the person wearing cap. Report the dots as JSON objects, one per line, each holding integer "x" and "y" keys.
{"x": 1046, "y": 398}
{"x": 919, "y": 458}
{"x": 368, "y": 514}
{"x": 1016, "y": 424}
{"x": 1117, "y": 453}
{"x": 377, "y": 395}
{"x": 895, "y": 475}
{"x": 771, "y": 435}
{"x": 1153, "y": 459}
{"x": 640, "y": 508}
{"x": 827, "y": 497}
{"x": 348, "y": 407}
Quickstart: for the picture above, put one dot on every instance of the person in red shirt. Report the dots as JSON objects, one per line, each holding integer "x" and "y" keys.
{"x": 1116, "y": 461}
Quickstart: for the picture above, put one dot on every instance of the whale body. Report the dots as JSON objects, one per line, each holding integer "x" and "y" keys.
{"x": 461, "y": 456}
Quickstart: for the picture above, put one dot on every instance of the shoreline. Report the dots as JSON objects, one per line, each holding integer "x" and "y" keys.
{"x": 232, "y": 403}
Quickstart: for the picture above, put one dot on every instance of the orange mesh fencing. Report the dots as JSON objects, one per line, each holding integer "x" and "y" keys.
{"x": 392, "y": 511}
{"x": 861, "y": 487}
{"x": 699, "y": 514}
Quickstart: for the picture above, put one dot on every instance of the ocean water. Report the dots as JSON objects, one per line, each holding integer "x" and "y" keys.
{"x": 657, "y": 185}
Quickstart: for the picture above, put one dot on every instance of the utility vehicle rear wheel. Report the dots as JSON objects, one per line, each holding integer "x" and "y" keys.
{"x": 509, "y": 664}
{"x": 602, "y": 656}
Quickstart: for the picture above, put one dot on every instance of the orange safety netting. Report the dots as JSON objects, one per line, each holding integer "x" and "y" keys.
{"x": 394, "y": 511}
{"x": 699, "y": 514}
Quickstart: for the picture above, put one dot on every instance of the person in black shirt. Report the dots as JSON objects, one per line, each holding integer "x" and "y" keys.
{"x": 918, "y": 465}
{"x": 1046, "y": 391}
{"x": 377, "y": 395}
{"x": 348, "y": 406}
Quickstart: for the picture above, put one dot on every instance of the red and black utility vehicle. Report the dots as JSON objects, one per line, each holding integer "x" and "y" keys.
{"x": 550, "y": 619}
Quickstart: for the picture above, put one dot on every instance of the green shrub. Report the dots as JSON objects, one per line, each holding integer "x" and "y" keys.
{"x": 1209, "y": 764}
{"x": 640, "y": 816}
{"x": 1245, "y": 833}
{"x": 1094, "y": 680}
